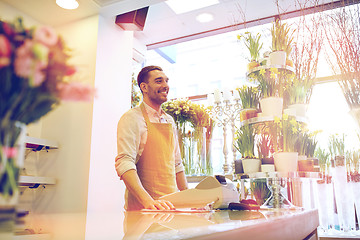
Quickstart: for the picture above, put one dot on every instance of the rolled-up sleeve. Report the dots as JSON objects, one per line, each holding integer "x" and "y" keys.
{"x": 128, "y": 141}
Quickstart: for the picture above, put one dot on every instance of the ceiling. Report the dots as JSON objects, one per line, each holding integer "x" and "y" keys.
{"x": 162, "y": 26}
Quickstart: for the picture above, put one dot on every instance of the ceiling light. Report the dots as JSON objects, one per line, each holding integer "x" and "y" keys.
{"x": 183, "y": 6}
{"x": 205, "y": 17}
{"x": 67, "y": 4}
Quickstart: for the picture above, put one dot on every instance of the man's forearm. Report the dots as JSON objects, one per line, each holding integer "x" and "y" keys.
{"x": 133, "y": 184}
{"x": 181, "y": 181}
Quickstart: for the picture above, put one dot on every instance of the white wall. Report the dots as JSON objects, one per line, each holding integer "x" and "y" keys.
{"x": 113, "y": 82}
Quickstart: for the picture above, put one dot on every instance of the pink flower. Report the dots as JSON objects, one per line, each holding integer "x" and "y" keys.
{"x": 46, "y": 35}
{"x": 26, "y": 66}
{"x": 75, "y": 92}
{"x": 10, "y": 152}
{"x": 70, "y": 70}
{"x": 5, "y": 51}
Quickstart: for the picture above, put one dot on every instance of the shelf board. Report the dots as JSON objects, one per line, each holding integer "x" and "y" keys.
{"x": 35, "y": 180}
{"x": 281, "y": 67}
{"x": 267, "y": 119}
{"x": 34, "y": 143}
{"x": 32, "y": 237}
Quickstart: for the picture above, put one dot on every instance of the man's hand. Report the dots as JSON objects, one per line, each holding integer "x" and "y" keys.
{"x": 159, "y": 205}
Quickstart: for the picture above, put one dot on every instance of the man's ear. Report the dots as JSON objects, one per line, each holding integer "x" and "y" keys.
{"x": 143, "y": 87}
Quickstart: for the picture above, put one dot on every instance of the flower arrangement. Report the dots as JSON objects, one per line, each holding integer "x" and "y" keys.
{"x": 286, "y": 130}
{"x": 245, "y": 141}
{"x": 34, "y": 79}
{"x": 306, "y": 143}
{"x": 195, "y": 124}
{"x": 337, "y": 149}
{"x": 264, "y": 145}
{"x": 281, "y": 37}
{"x": 324, "y": 159}
{"x": 249, "y": 97}
{"x": 270, "y": 81}
{"x": 297, "y": 90}
{"x": 252, "y": 43}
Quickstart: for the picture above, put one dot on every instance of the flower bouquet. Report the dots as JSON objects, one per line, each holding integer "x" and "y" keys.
{"x": 195, "y": 125}
{"x": 34, "y": 78}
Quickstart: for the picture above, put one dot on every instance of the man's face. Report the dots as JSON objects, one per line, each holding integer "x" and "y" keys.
{"x": 157, "y": 87}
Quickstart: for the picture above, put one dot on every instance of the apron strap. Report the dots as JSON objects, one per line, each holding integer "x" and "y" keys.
{"x": 143, "y": 110}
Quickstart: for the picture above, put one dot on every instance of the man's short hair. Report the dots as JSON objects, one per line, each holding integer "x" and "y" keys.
{"x": 143, "y": 75}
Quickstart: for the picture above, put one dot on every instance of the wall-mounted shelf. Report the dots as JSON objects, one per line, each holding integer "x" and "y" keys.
{"x": 39, "y": 144}
{"x": 35, "y": 181}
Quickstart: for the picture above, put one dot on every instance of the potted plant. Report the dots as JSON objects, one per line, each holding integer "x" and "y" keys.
{"x": 271, "y": 91}
{"x": 281, "y": 43}
{"x": 305, "y": 145}
{"x": 264, "y": 148}
{"x": 249, "y": 97}
{"x": 296, "y": 93}
{"x": 354, "y": 157}
{"x": 254, "y": 46}
{"x": 245, "y": 144}
{"x": 286, "y": 130}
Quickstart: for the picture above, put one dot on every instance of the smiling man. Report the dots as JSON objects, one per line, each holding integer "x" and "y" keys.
{"x": 148, "y": 159}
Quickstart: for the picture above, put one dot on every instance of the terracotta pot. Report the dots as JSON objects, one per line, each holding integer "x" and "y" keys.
{"x": 248, "y": 113}
{"x": 306, "y": 165}
{"x": 251, "y": 65}
{"x": 286, "y": 161}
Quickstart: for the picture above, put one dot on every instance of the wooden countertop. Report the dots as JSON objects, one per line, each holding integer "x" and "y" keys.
{"x": 224, "y": 224}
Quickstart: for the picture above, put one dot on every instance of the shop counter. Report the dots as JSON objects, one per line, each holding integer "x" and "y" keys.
{"x": 222, "y": 224}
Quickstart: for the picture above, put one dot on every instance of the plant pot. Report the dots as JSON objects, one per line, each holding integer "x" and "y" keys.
{"x": 268, "y": 160}
{"x": 248, "y": 113}
{"x": 300, "y": 109}
{"x": 306, "y": 165}
{"x": 251, "y": 65}
{"x": 267, "y": 168}
{"x": 238, "y": 166}
{"x": 286, "y": 161}
{"x": 277, "y": 58}
{"x": 290, "y": 111}
{"x": 271, "y": 106}
{"x": 289, "y": 63}
{"x": 251, "y": 165}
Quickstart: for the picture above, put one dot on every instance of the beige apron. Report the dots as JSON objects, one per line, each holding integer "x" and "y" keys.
{"x": 156, "y": 166}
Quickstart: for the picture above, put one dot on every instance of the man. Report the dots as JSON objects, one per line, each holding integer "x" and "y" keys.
{"x": 148, "y": 159}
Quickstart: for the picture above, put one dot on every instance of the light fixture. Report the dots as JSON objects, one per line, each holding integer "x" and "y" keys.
{"x": 183, "y": 6}
{"x": 67, "y": 4}
{"x": 205, "y": 17}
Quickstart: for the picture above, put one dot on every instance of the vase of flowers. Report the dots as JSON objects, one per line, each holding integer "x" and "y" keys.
{"x": 34, "y": 78}
{"x": 195, "y": 126}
